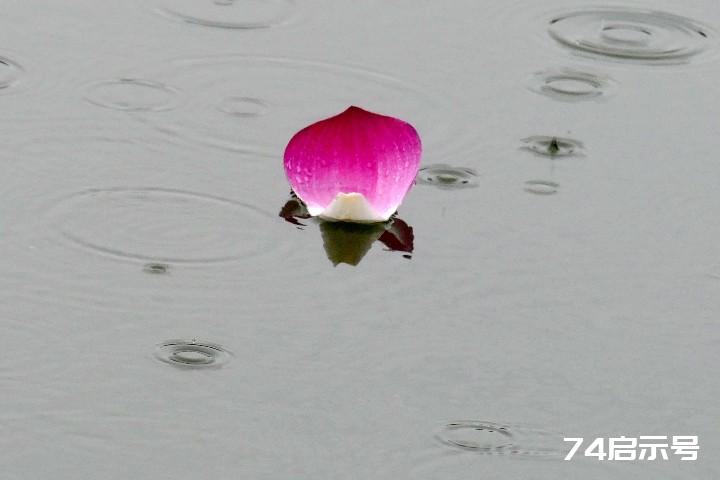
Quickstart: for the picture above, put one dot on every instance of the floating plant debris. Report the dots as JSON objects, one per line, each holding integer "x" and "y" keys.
{"x": 294, "y": 210}
{"x": 354, "y": 167}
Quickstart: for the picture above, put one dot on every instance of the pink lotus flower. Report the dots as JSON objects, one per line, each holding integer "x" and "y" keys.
{"x": 355, "y": 167}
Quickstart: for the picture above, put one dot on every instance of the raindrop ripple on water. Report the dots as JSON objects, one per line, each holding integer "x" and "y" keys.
{"x": 490, "y": 438}
{"x": 230, "y": 14}
{"x": 160, "y": 225}
{"x": 630, "y": 34}
{"x": 156, "y": 268}
{"x": 572, "y": 85}
{"x": 541, "y": 187}
{"x": 447, "y": 177}
{"x": 10, "y": 74}
{"x": 551, "y": 146}
{"x": 254, "y": 104}
{"x": 192, "y": 354}
{"x": 132, "y": 95}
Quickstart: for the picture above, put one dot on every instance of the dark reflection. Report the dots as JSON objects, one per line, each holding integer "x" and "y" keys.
{"x": 293, "y": 210}
{"x": 156, "y": 268}
{"x": 349, "y": 242}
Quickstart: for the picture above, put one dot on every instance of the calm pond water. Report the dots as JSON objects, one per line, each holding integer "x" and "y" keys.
{"x": 554, "y": 273}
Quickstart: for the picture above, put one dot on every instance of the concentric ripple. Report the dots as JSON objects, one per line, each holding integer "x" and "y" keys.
{"x": 156, "y": 268}
{"x": 234, "y": 14}
{"x": 572, "y": 85}
{"x": 160, "y": 225}
{"x": 632, "y": 34}
{"x": 132, "y": 94}
{"x": 549, "y": 146}
{"x": 192, "y": 354}
{"x": 10, "y": 74}
{"x": 243, "y": 107}
{"x": 541, "y": 187}
{"x": 447, "y": 177}
{"x": 492, "y": 438}
{"x": 255, "y": 104}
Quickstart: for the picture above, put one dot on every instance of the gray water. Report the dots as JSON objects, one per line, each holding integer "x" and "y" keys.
{"x": 159, "y": 320}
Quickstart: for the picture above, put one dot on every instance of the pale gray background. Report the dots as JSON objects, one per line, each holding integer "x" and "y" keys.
{"x": 592, "y": 312}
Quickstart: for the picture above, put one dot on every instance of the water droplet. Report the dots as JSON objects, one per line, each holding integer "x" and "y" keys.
{"x": 243, "y": 107}
{"x": 629, "y": 34}
{"x": 131, "y": 94}
{"x": 234, "y": 14}
{"x": 10, "y": 73}
{"x": 550, "y": 146}
{"x": 446, "y": 176}
{"x": 192, "y": 354}
{"x": 572, "y": 85}
{"x": 541, "y": 187}
{"x": 156, "y": 268}
{"x": 160, "y": 225}
{"x": 501, "y": 439}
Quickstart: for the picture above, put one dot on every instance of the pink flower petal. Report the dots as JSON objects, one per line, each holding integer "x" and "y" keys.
{"x": 356, "y": 166}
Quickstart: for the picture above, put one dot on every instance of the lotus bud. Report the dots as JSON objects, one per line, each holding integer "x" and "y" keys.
{"x": 354, "y": 167}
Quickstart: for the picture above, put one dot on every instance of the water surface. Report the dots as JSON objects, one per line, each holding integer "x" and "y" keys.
{"x": 565, "y": 293}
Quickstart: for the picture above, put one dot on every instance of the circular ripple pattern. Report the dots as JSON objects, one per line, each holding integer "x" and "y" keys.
{"x": 500, "y": 439}
{"x": 255, "y": 104}
{"x": 192, "y": 354}
{"x": 572, "y": 85}
{"x": 160, "y": 225}
{"x": 631, "y": 34}
{"x": 541, "y": 187}
{"x": 10, "y": 73}
{"x": 156, "y": 268}
{"x": 131, "y": 94}
{"x": 237, "y": 14}
{"x": 447, "y": 177}
{"x": 548, "y": 146}
{"x": 243, "y": 107}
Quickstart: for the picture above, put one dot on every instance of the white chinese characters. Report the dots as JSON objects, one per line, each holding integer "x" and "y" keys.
{"x": 646, "y": 447}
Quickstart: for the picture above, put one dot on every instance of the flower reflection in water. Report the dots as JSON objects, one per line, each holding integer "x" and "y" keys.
{"x": 349, "y": 242}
